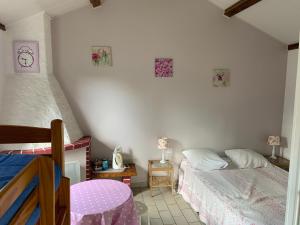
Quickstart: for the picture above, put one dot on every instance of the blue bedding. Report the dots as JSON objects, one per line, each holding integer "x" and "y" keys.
{"x": 10, "y": 165}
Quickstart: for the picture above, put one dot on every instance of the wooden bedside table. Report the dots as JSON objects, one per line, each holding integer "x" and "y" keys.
{"x": 280, "y": 162}
{"x": 125, "y": 175}
{"x": 160, "y": 175}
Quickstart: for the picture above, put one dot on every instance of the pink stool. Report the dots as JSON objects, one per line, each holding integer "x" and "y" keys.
{"x": 102, "y": 202}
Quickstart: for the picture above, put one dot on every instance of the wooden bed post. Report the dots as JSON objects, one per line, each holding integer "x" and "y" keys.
{"x": 57, "y": 144}
{"x": 64, "y": 201}
{"x": 47, "y": 191}
{"x": 58, "y": 149}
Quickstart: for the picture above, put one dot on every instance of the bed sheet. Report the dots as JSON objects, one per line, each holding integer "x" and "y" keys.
{"x": 236, "y": 196}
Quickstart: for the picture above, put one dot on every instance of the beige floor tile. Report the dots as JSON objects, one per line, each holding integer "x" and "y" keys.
{"x": 153, "y": 212}
{"x": 178, "y": 197}
{"x": 138, "y": 197}
{"x": 190, "y": 215}
{"x": 169, "y": 199}
{"x": 166, "y": 217}
{"x": 166, "y": 208}
{"x": 149, "y": 201}
{"x": 156, "y": 222}
{"x": 155, "y": 192}
{"x": 152, "y": 207}
{"x": 164, "y": 190}
{"x": 182, "y": 204}
{"x": 145, "y": 220}
{"x": 161, "y": 205}
{"x": 174, "y": 210}
{"x": 168, "y": 193}
{"x": 158, "y": 197}
{"x": 146, "y": 193}
{"x": 196, "y": 223}
{"x": 180, "y": 220}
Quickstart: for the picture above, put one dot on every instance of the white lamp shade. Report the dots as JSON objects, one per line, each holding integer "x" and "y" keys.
{"x": 274, "y": 140}
{"x": 162, "y": 143}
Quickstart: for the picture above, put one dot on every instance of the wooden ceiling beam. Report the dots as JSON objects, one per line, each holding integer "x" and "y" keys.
{"x": 95, "y": 3}
{"x": 239, "y": 7}
{"x": 2, "y": 27}
{"x": 293, "y": 46}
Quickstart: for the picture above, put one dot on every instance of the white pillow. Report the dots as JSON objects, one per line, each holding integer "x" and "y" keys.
{"x": 246, "y": 158}
{"x": 204, "y": 159}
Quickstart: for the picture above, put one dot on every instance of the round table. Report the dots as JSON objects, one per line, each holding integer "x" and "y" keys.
{"x": 102, "y": 202}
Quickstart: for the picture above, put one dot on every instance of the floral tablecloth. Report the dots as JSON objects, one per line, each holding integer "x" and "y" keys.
{"x": 102, "y": 202}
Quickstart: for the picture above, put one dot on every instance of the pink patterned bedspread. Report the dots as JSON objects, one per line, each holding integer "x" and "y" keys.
{"x": 236, "y": 196}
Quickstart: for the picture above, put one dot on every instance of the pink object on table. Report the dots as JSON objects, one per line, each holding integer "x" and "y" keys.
{"x": 102, "y": 202}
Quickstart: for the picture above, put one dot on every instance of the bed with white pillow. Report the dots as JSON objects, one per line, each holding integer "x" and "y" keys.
{"x": 249, "y": 191}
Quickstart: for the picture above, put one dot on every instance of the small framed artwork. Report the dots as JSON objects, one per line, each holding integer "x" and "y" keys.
{"x": 163, "y": 67}
{"x": 102, "y": 56}
{"x": 26, "y": 56}
{"x": 221, "y": 78}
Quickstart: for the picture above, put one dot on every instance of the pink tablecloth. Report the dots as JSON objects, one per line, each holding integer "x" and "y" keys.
{"x": 102, "y": 202}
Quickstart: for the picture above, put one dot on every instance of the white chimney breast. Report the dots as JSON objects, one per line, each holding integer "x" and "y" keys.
{"x": 34, "y": 99}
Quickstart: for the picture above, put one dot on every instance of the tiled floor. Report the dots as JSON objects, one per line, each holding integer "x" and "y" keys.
{"x": 166, "y": 208}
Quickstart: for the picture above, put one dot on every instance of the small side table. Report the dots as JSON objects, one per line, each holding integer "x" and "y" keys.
{"x": 125, "y": 175}
{"x": 280, "y": 162}
{"x": 160, "y": 175}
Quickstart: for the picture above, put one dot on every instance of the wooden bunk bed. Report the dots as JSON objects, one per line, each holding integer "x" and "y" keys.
{"x": 54, "y": 203}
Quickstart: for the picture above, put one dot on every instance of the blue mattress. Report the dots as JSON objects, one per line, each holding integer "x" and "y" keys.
{"x": 10, "y": 165}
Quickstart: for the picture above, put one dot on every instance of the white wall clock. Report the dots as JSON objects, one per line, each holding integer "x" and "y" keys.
{"x": 26, "y": 56}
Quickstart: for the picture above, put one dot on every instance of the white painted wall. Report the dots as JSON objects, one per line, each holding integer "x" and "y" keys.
{"x": 293, "y": 194}
{"x": 34, "y": 99}
{"x": 1, "y": 64}
{"x": 125, "y": 104}
{"x": 288, "y": 112}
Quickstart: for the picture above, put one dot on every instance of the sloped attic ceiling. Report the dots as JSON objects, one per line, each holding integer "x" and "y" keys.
{"x": 13, "y": 10}
{"x": 278, "y": 18}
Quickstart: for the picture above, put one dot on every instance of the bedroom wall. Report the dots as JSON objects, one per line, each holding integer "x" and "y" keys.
{"x": 1, "y": 64}
{"x": 34, "y": 99}
{"x": 288, "y": 112}
{"x": 125, "y": 104}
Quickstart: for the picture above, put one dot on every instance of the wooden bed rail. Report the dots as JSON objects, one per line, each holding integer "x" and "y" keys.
{"x": 44, "y": 193}
{"x": 16, "y": 186}
{"x": 10, "y": 134}
{"x": 21, "y": 134}
{"x": 43, "y": 167}
{"x": 27, "y": 208}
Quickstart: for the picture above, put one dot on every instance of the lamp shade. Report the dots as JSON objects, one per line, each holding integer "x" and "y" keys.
{"x": 274, "y": 140}
{"x": 162, "y": 143}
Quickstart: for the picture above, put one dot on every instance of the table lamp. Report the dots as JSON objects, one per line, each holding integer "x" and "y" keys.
{"x": 273, "y": 141}
{"x": 162, "y": 145}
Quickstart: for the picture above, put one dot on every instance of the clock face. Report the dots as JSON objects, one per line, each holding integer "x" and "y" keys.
{"x": 26, "y": 56}
{"x": 25, "y": 59}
